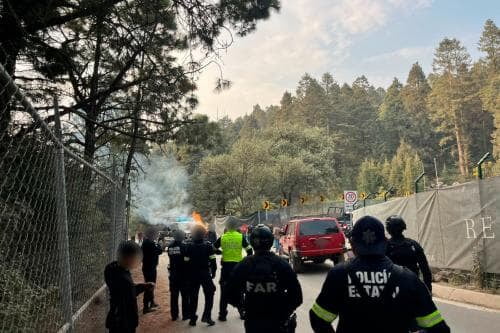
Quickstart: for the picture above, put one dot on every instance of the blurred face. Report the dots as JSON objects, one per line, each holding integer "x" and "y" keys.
{"x": 130, "y": 262}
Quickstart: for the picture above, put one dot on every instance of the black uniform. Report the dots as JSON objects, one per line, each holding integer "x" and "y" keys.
{"x": 200, "y": 257}
{"x": 123, "y": 313}
{"x": 408, "y": 253}
{"x": 211, "y": 236}
{"x": 150, "y": 253}
{"x": 271, "y": 292}
{"x": 371, "y": 294}
{"x": 178, "y": 277}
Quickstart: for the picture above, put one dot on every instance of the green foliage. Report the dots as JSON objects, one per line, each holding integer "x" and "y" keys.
{"x": 489, "y": 77}
{"x": 277, "y": 164}
{"x": 405, "y": 166}
{"x": 326, "y": 137}
{"x": 26, "y": 304}
{"x": 198, "y": 139}
{"x": 370, "y": 177}
{"x": 489, "y": 43}
{"x": 455, "y": 104}
{"x": 400, "y": 172}
{"x": 238, "y": 177}
{"x": 393, "y": 118}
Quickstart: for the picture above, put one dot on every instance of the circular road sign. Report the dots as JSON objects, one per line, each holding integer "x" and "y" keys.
{"x": 351, "y": 197}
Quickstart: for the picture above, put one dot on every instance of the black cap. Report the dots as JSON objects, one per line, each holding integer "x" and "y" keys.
{"x": 368, "y": 236}
{"x": 395, "y": 224}
{"x": 261, "y": 238}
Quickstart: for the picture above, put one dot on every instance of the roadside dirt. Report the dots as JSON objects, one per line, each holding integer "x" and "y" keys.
{"x": 159, "y": 320}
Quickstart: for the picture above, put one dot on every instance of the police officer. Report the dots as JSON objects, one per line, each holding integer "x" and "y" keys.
{"x": 200, "y": 257}
{"x": 271, "y": 291}
{"x": 232, "y": 243}
{"x": 211, "y": 234}
{"x": 150, "y": 253}
{"x": 178, "y": 276}
{"x": 371, "y": 294}
{"x": 405, "y": 251}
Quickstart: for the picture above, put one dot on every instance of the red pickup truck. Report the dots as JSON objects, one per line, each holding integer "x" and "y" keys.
{"x": 312, "y": 239}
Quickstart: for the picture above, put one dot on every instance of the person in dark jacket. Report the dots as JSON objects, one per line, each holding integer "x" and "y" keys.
{"x": 372, "y": 294}
{"x": 123, "y": 314}
{"x": 178, "y": 276}
{"x": 405, "y": 251}
{"x": 265, "y": 287}
{"x": 150, "y": 254}
{"x": 211, "y": 234}
{"x": 200, "y": 257}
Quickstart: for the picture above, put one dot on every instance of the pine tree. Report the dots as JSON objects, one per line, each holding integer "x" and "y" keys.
{"x": 489, "y": 43}
{"x": 449, "y": 98}
{"x": 370, "y": 177}
{"x": 420, "y": 133}
{"x": 311, "y": 102}
{"x": 393, "y": 119}
{"x": 489, "y": 73}
{"x": 404, "y": 168}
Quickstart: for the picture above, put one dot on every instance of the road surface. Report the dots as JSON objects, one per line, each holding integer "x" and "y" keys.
{"x": 462, "y": 318}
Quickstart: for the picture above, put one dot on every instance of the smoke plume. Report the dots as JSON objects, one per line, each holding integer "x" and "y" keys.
{"x": 161, "y": 191}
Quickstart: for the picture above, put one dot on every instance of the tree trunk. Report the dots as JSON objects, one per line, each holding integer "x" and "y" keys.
{"x": 133, "y": 142}
{"x": 10, "y": 46}
{"x": 460, "y": 151}
{"x": 466, "y": 157}
{"x": 135, "y": 131}
{"x": 93, "y": 112}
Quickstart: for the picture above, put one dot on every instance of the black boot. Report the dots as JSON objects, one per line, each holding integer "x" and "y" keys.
{"x": 193, "y": 320}
{"x": 208, "y": 320}
{"x": 222, "y": 315}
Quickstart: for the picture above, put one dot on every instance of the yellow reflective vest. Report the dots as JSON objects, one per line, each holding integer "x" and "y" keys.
{"x": 232, "y": 246}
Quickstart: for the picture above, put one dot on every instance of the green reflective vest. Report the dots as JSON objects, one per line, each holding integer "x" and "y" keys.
{"x": 231, "y": 243}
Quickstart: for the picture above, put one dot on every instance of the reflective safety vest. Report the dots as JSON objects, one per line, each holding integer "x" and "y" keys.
{"x": 231, "y": 243}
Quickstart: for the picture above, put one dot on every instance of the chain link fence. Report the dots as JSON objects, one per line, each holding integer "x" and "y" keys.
{"x": 60, "y": 222}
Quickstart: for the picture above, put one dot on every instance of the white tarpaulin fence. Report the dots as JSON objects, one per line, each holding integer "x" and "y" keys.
{"x": 455, "y": 225}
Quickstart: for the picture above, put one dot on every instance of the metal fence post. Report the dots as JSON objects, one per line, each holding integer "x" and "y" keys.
{"x": 113, "y": 224}
{"x": 62, "y": 224}
{"x": 417, "y": 180}
{"x": 128, "y": 201}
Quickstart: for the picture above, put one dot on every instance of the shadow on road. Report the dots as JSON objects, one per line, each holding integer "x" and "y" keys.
{"x": 312, "y": 268}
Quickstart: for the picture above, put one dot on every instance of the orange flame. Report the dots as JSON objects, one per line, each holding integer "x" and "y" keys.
{"x": 198, "y": 219}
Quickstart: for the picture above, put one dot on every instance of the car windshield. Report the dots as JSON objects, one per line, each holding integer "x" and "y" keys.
{"x": 321, "y": 227}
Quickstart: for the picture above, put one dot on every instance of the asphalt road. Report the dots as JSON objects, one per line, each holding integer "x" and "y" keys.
{"x": 462, "y": 318}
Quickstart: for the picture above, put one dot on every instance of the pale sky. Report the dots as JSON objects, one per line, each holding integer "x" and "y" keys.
{"x": 348, "y": 38}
